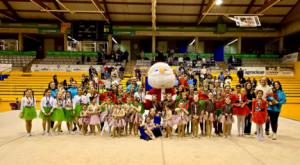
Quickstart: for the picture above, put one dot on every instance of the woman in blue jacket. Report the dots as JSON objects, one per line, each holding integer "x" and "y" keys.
{"x": 274, "y": 107}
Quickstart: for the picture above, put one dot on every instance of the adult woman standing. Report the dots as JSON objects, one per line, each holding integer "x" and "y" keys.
{"x": 275, "y": 108}
{"x": 250, "y": 95}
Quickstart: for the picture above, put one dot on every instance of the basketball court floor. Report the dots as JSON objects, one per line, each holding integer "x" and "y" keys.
{"x": 16, "y": 148}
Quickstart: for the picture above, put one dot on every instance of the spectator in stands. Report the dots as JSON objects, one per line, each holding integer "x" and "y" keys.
{"x": 73, "y": 89}
{"x": 248, "y": 80}
{"x": 84, "y": 79}
{"x": 170, "y": 59}
{"x": 271, "y": 82}
{"x": 65, "y": 84}
{"x": 121, "y": 71}
{"x": 92, "y": 73}
{"x": 82, "y": 59}
{"x": 221, "y": 77}
{"x": 99, "y": 57}
{"x": 181, "y": 69}
{"x": 55, "y": 80}
{"x": 18, "y": 104}
{"x": 240, "y": 73}
{"x": 160, "y": 57}
{"x": 203, "y": 73}
{"x": 186, "y": 57}
{"x": 71, "y": 80}
{"x": 254, "y": 83}
{"x": 242, "y": 81}
{"x": 138, "y": 74}
{"x": 78, "y": 61}
{"x": 126, "y": 55}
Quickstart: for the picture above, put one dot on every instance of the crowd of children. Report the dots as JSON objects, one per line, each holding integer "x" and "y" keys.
{"x": 207, "y": 107}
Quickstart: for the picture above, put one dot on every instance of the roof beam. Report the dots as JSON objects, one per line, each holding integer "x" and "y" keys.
{"x": 250, "y": 6}
{"x": 43, "y": 6}
{"x": 4, "y": 13}
{"x": 153, "y": 13}
{"x": 289, "y": 14}
{"x": 106, "y": 9}
{"x": 9, "y": 7}
{"x": 101, "y": 10}
{"x": 201, "y": 9}
{"x": 268, "y": 4}
{"x": 140, "y": 13}
{"x": 210, "y": 5}
{"x": 59, "y": 8}
{"x": 120, "y": 2}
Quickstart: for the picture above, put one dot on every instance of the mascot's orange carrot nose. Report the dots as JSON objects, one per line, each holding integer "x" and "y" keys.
{"x": 161, "y": 70}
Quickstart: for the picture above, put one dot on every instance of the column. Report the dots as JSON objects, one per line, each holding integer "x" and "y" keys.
{"x": 65, "y": 42}
{"x": 20, "y": 42}
{"x": 153, "y": 43}
{"x": 281, "y": 44}
{"x": 239, "y": 45}
{"x": 197, "y": 45}
{"x": 109, "y": 46}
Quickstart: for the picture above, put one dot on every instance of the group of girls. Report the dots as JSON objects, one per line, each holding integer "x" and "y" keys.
{"x": 120, "y": 114}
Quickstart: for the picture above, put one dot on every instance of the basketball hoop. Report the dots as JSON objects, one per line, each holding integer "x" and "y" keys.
{"x": 247, "y": 21}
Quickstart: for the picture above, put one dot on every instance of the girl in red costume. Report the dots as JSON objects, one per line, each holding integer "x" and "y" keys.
{"x": 259, "y": 111}
{"x": 240, "y": 109}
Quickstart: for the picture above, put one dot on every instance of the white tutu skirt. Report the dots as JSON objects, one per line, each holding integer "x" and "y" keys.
{"x": 168, "y": 123}
{"x": 117, "y": 123}
{"x": 94, "y": 120}
{"x": 177, "y": 119}
{"x": 84, "y": 120}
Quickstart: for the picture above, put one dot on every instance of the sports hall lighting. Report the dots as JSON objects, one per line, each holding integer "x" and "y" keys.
{"x": 193, "y": 42}
{"x": 115, "y": 41}
{"x": 219, "y": 2}
{"x": 73, "y": 39}
{"x": 231, "y": 42}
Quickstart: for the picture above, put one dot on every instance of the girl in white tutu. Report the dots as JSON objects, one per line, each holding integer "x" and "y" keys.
{"x": 118, "y": 122}
{"x": 182, "y": 118}
{"x": 94, "y": 112}
{"x": 84, "y": 120}
{"x": 137, "y": 116}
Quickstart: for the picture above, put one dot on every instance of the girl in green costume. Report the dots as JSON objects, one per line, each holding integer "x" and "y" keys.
{"x": 57, "y": 111}
{"x": 45, "y": 113}
{"x": 28, "y": 112}
{"x": 68, "y": 110}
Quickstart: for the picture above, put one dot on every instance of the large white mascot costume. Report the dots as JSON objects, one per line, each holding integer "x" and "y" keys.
{"x": 162, "y": 79}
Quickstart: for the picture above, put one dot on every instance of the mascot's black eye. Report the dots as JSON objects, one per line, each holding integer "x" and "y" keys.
{"x": 155, "y": 70}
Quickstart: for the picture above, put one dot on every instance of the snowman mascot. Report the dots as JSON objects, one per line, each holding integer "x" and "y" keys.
{"x": 162, "y": 79}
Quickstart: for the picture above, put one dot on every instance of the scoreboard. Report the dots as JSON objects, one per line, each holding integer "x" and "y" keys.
{"x": 90, "y": 30}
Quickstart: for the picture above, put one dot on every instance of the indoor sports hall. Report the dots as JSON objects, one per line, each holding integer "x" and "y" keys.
{"x": 149, "y": 82}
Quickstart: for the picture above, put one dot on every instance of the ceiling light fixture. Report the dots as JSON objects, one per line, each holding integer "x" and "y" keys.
{"x": 219, "y": 2}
